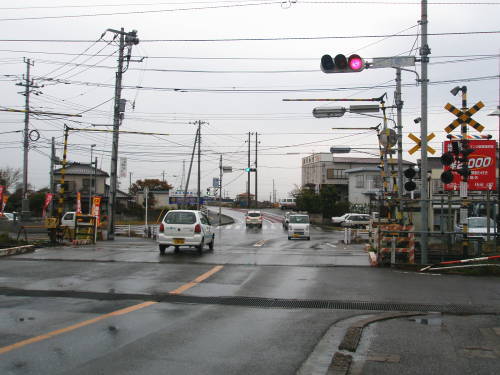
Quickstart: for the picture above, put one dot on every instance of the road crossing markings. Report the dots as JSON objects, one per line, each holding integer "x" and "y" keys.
{"x": 124, "y": 311}
{"x": 331, "y": 245}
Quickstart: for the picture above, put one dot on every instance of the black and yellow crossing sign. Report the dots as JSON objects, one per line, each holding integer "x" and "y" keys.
{"x": 418, "y": 142}
{"x": 464, "y": 117}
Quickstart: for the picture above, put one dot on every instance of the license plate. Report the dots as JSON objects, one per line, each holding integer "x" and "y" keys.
{"x": 296, "y": 235}
{"x": 178, "y": 241}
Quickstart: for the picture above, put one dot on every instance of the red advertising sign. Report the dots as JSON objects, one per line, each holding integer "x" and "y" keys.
{"x": 482, "y": 165}
{"x": 96, "y": 208}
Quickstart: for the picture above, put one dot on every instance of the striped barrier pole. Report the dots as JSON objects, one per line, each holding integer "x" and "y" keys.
{"x": 462, "y": 261}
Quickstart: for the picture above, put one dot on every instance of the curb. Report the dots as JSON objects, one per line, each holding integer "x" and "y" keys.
{"x": 16, "y": 250}
{"x": 341, "y": 362}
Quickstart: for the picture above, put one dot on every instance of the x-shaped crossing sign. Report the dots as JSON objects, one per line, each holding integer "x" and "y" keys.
{"x": 418, "y": 142}
{"x": 464, "y": 117}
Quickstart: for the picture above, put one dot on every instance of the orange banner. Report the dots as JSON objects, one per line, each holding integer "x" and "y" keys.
{"x": 96, "y": 208}
{"x": 78, "y": 203}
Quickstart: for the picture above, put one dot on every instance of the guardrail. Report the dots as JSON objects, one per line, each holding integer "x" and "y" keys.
{"x": 137, "y": 230}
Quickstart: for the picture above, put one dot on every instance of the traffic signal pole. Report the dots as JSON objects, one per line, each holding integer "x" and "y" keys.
{"x": 424, "y": 189}
{"x": 463, "y": 181}
{"x": 399, "y": 126}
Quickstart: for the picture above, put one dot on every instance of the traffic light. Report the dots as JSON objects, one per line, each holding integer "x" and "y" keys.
{"x": 250, "y": 169}
{"x": 342, "y": 64}
{"x": 410, "y": 174}
{"x": 208, "y": 191}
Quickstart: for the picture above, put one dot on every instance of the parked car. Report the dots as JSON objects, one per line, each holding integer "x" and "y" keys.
{"x": 477, "y": 228}
{"x": 187, "y": 228}
{"x": 356, "y": 221}
{"x": 253, "y": 218}
{"x": 286, "y": 220}
{"x": 298, "y": 226}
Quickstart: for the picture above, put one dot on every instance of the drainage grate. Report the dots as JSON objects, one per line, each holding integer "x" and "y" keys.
{"x": 258, "y": 302}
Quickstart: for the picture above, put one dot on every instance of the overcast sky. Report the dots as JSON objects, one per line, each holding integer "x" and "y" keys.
{"x": 193, "y": 69}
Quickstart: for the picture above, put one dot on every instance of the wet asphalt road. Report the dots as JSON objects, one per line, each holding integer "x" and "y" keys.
{"x": 95, "y": 309}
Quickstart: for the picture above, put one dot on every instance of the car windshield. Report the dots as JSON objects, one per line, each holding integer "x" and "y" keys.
{"x": 299, "y": 219}
{"x": 254, "y": 214}
{"x": 479, "y": 222}
{"x": 174, "y": 217}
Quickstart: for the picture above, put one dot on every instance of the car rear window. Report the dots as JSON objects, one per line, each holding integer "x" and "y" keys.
{"x": 254, "y": 214}
{"x": 180, "y": 218}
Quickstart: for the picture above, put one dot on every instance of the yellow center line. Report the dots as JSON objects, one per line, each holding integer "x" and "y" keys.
{"x": 124, "y": 311}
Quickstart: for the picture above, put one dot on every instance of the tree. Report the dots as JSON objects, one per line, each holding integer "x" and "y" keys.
{"x": 9, "y": 177}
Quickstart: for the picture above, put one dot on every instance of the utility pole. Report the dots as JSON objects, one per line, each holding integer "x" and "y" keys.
{"x": 424, "y": 193}
{"x": 399, "y": 126}
{"x": 199, "y": 166}
{"x": 220, "y": 190}
{"x": 28, "y": 84}
{"x": 126, "y": 39}
{"x": 190, "y": 167}
{"x": 129, "y": 180}
{"x": 183, "y": 173}
{"x": 256, "y": 171}
{"x": 274, "y": 193}
{"x": 52, "y": 164}
{"x": 248, "y": 173}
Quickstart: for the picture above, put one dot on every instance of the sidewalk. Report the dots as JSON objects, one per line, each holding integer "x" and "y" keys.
{"x": 431, "y": 344}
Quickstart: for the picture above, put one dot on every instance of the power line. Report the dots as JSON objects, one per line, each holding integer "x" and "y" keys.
{"x": 457, "y": 33}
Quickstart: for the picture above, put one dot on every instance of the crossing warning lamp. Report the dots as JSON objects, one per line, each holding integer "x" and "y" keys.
{"x": 410, "y": 174}
{"x": 342, "y": 64}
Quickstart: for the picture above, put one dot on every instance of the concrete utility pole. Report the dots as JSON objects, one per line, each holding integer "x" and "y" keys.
{"x": 25, "y": 210}
{"x": 52, "y": 164}
{"x": 256, "y": 144}
{"x": 220, "y": 190}
{"x": 424, "y": 191}
{"x": 399, "y": 108}
{"x": 190, "y": 167}
{"x": 248, "y": 173}
{"x": 126, "y": 39}
{"x": 198, "y": 203}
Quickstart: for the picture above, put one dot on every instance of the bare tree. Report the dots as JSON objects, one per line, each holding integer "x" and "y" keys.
{"x": 10, "y": 176}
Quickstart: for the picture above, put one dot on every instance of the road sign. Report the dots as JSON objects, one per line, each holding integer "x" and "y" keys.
{"x": 227, "y": 169}
{"x": 418, "y": 142}
{"x": 481, "y": 163}
{"x": 464, "y": 117}
{"x": 216, "y": 182}
{"x": 392, "y": 62}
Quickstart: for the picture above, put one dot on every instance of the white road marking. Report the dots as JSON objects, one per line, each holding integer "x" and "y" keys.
{"x": 260, "y": 243}
{"x": 329, "y": 244}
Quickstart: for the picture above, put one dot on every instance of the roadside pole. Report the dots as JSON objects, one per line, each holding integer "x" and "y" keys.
{"x": 220, "y": 190}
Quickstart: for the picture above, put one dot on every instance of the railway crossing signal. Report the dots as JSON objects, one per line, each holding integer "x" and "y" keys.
{"x": 464, "y": 117}
{"x": 418, "y": 142}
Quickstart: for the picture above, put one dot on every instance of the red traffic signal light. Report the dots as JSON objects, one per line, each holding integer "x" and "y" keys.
{"x": 410, "y": 174}
{"x": 342, "y": 64}
{"x": 447, "y": 177}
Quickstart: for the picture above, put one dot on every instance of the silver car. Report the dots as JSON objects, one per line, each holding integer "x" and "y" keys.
{"x": 187, "y": 228}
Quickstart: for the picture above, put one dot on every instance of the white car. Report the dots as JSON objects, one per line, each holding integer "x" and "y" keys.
{"x": 298, "y": 227}
{"x": 189, "y": 228}
{"x": 351, "y": 220}
{"x": 253, "y": 218}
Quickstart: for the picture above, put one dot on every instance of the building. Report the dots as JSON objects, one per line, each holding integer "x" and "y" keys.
{"x": 88, "y": 181}
{"x": 161, "y": 198}
{"x": 344, "y": 172}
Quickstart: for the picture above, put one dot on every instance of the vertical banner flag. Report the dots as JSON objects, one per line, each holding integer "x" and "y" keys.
{"x": 123, "y": 167}
{"x": 96, "y": 209}
{"x": 4, "y": 201}
{"x": 48, "y": 199}
{"x": 2, "y": 189}
{"x": 78, "y": 203}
